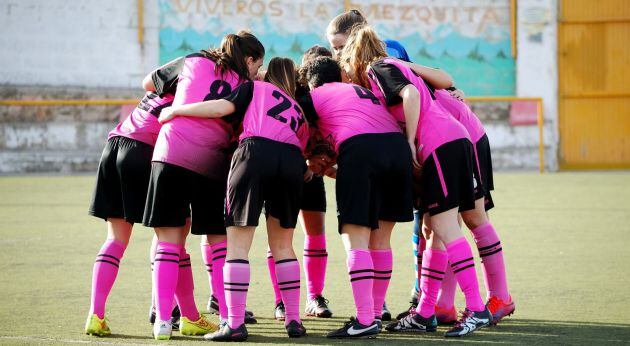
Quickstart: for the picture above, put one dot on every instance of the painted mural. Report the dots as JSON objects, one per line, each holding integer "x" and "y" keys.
{"x": 468, "y": 38}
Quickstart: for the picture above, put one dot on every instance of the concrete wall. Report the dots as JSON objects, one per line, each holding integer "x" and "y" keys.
{"x": 89, "y": 49}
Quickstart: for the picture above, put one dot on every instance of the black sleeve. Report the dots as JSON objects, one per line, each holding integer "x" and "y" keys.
{"x": 306, "y": 102}
{"x": 241, "y": 97}
{"x": 391, "y": 80}
{"x": 165, "y": 78}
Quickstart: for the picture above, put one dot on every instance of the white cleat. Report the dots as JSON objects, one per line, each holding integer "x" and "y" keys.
{"x": 162, "y": 330}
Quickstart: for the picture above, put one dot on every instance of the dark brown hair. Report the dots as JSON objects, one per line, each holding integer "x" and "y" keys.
{"x": 343, "y": 23}
{"x": 311, "y": 54}
{"x": 234, "y": 49}
{"x": 281, "y": 73}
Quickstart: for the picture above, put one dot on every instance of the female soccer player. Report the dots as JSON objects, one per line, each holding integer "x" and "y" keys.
{"x": 373, "y": 185}
{"x": 267, "y": 170}
{"x": 189, "y": 171}
{"x": 312, "y": 218}
{"x": 448, "y": 181}
{"x": 120, "y": 193}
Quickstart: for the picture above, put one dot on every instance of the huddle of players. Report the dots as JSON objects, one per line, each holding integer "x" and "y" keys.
{"x": 381, "y": 126}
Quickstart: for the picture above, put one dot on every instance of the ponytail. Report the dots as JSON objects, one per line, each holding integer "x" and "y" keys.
{"x": 343, "y": 23}
{"x": 234, "y": 49}
{"x": 361, "y": 50}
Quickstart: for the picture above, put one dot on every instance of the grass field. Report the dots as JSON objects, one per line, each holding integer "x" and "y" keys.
{"x": 566, "y": 239}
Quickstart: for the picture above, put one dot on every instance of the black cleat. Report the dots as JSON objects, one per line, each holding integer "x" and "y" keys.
{"x": 228, "y": 334}
{"x": 386, "y": 314}
{"x": 175, "y": 316}
{"x": 318, "y": 307}
{"x": 470, "y": 322}
{"x": 278, "y": 312}
{"x": 413, "y": 305}
{"x": 413, "y": 323}
{"x": 295, "y": 329}
{"x": 213, "y": 305}
{"x": 152, "y": 314}
{"x": 249, "y": 318}
{"x": 354, "y": 329}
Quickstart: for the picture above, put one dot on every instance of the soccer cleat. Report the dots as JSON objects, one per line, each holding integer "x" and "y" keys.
{"x": 97, "y": 326}
{"x": 295, "y": 329}
{"x": 378, "y": 319}
{"x": 445, "y": 317}
{"x": 213, "y": 305}
{"x": 152, "y": 314}
{"x": 354, "y": 329}
{"x": 199, "y": 327}
{"x": 412, "y": 307}
{"x": 413, "y": 323}
{"x": 249, "y": 318}
{"x": 500, "y": 309}
{"x": 318, "y": 307}
{"x": 162, "y": 330}
{"x": 279, "y": 313}
{"x": 470, "y": 322}
{"x": 228, "y": 334}
{"x": 386, "y": 314}
{"x": 175, "y": 317}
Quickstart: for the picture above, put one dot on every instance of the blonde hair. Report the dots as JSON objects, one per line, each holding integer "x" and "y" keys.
{"x": 362, "y": 49}
{"x": 281, "y": 72}
{"x": 343, "y": 23}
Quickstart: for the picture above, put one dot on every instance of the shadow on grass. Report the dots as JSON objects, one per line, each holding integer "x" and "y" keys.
{"x": 513, "y": 331}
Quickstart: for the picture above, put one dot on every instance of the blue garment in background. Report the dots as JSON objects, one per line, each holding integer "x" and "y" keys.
{"x": 396, "y": 50}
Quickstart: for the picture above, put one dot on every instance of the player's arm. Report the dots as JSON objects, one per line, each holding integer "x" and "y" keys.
{"x": 205, "y": 109}
{"x": 439, "y": 79}
{"x": 411, "y": 106}
{"x": 164, "y": 78}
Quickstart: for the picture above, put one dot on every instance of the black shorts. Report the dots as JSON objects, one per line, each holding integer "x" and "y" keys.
{"x": 176, "y": 193}
{"x": 374, "y": 180}
{"x": 484, "y": 159}
{"x": 314, "y": 195}
{"x": 450, "y": 179}
{"x": 265, "y": 173}
{"x": 122, "y": 180}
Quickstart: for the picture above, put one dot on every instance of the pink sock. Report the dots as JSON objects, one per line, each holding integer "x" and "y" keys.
{"x": 236, "y": 276}
{"x": 219, "y": 250}
{"x": 104, "y": 274}
{"x": 383, "y": 262}
{"x": 446, "y": 298}
{"x": 166, "y": 272}
{"x": 184, "y": 293}
{"x": 461, "y": 260}
{"x": 206, "y": 254}
{"x": 315, "y": 261}
{"x": 288, "y": 275}
{"x": 431, "y": 274}
{"x": 361, "y": 271}
{"x": 271, "y": 264}
{"x": 491, "y": 254}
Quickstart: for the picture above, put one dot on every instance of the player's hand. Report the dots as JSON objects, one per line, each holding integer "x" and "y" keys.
{"x": 308, "y": 175}
{"x": 331, "y": 172}
{"x": 166, "y": 115}
{"x": 458, "y": 94}
{"x": 414, "y": 155}
{"x": 318, "y": 163}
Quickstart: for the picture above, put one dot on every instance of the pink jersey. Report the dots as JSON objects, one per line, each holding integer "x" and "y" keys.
{"x": 197, "y": 144}
{"x": 435, "y": 127}
{"x": 460, "y": 111}
{"x": 274, "y": 115}
{"x": 347, "y": 110}
{"x": 142, "y": 124}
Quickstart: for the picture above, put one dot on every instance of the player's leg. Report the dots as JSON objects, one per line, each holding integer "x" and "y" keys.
{"x": 315, "y": 262}
{"x": 382, "y": 260}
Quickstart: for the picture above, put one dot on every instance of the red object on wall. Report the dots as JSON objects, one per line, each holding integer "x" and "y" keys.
{"x": 523, "y": 113}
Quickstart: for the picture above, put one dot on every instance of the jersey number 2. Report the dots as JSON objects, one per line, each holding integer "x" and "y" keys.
{"x": 284, "y": 105}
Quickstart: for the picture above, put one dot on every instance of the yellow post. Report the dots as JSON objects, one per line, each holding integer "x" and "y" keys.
{"x": 346, "y": 4}
{"x": 513, "y": 27}
{"x": 140, "y": 23}
{"x": 541, "y": 142}
{"x": 35, "y": 103}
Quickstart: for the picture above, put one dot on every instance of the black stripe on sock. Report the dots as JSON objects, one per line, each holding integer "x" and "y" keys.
{"x": 237, "y": 261}
{"x": 290, "y": 288}
{"x": 236, "y": 283}
{"x": 218, "y": 257}
{"x": 208, "y": 264}
{"x": 455, "y": 271}
{"x": 361, "y": 271}
{"x": 289, "y": 282}
{"x": 286, "y": 260}
{"x": 361, "y": 278}
{"x": 462, "y": 261}
{"x": 432, "y": 277}
{"x": 221, "y": 249}
{"x": 382, "y": 271}
{"x": 209, "y": 270}
{"x": 109, "y": 256}
{"x": 491, "y": 253}
{"x": 106, "y": 261}
{"x": 236, "y": 289}
{"x": 184, "y": 265}
{"x": 184, "y": 259}
{"x": 167, "y": 260}
{"x": 489, "y": 246}
{"x": 312, "y": 250}
{"x": 167, "y": 253}
{"x": 316, "y": 255}
{"x": 432, "y": 270}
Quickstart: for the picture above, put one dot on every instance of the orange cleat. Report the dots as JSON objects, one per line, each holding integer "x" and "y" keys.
{"x": 445, "y": 316}
{"x": 499, "y": 308}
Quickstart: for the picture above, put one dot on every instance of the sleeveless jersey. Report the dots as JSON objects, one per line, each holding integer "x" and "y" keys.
{"x": 347, "y": 110}
{"x": 460, "y": 111}
{"x": 198, "y": 144}
{"x": 142, "y": 124}
{"x": 435, "y": 126}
